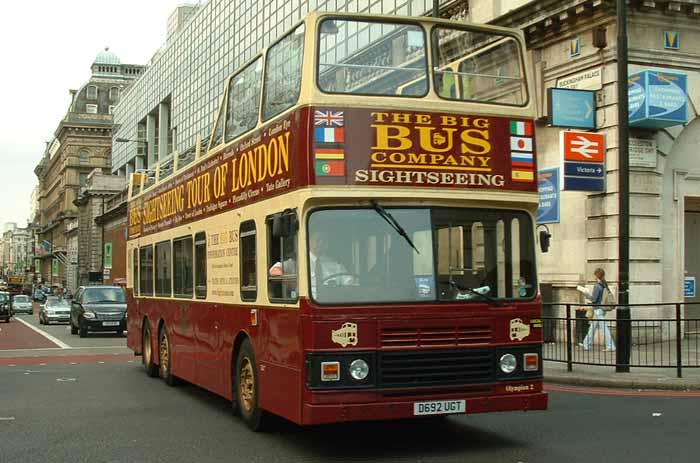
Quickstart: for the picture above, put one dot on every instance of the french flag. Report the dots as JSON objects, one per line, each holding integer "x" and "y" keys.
{"x": 329, "y": 134}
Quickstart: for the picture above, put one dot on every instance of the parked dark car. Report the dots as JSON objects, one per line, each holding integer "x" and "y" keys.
{"x": 98, "y": 308}
{"x": 5, "y": 309}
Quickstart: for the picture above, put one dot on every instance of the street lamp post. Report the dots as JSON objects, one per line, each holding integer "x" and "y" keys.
{"x": 145, "y": 145}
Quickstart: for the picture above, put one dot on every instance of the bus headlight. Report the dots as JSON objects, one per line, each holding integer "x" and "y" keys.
{"x": 359, "y": 369}
{"x": 507, "y": 363}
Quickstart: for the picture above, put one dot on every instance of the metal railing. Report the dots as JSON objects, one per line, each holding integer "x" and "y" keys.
{"x": 662, "y": 336}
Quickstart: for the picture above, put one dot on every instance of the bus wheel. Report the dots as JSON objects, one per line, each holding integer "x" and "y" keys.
{"x": 165, "y": 360}
{"x": 147, "y": 356}
{"x": 246, "y": 388}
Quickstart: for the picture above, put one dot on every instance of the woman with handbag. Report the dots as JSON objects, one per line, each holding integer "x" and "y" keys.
{"x": 598, "y": 322}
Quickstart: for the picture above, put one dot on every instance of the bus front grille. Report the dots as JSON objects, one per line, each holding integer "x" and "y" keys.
{"x": 435, "y": 368}
{"x": 435, "y": 336}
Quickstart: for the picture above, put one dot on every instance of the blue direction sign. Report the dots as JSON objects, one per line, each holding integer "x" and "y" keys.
{"x": 548, "y": 187}
{"x": 584, "y": 184}
{"x": 689, "y": 287}
{"x": 584, "y": 169}
{"x": 571, "y": 108}
{"x": 658, "y": 99}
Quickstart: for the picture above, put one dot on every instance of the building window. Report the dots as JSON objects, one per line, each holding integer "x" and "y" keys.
{"x": 84, "y": 156}
{"x": 249, "y": 274}
{"x": 200, "y": 265}
{"x": 182, "y": 267}
{"x": 91, "y": 108}
{"x": 146, "y": 271}
{"x": 111, "y": 109}
{"x": 282, "y": 257}
{"x": 283, "y": 73}
{"x": 114, "y": 94}
{"x": 163, "y": 270}
{"x": 91, "y": 92}
{"x": 82, "y": 179}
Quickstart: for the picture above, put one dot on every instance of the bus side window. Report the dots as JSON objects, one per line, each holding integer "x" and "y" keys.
{"x": 182, "y": 267}
{"x": 135, "y": 271}
{"x": 282, "y": 262}
{"x": 244, "y": 100}
{"x": 249, "y": 274}
{"x": 146, "y": 271}
{"x": 283, "y": 74}
{"x": 163, "y": 269}
{"x": 200, "y": 265}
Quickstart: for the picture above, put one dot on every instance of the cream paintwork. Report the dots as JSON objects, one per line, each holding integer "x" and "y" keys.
{"x": 308, "y": 198}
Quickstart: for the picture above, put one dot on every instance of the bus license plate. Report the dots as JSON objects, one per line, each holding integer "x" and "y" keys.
{"x": 439, "y": 407}
{"x": 110, "y": 323}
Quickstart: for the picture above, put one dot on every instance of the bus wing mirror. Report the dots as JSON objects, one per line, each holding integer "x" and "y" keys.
{"x": 284, "y": 224}
{"x": 545, "y": 238}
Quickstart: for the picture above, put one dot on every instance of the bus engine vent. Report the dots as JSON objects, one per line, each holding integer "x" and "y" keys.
{"x": 435, "y": 336}
{"x": 436, "y": 368}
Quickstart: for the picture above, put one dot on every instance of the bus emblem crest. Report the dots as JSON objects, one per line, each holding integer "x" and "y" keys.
{"x": 518, "y": 330}
{"x": 346, "y": 335}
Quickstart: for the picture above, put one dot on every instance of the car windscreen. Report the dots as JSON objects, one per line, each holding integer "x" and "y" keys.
{"x": 21, "y": 299}
{"x": 104, "y": 296}
{"x": 55, "y": 304}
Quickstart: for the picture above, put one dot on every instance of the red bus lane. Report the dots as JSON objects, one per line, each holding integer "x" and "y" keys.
{"x": 16, "y": 335}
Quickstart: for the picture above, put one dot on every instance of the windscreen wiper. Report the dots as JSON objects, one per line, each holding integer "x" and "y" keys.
{"x": 393, "y": 223}
{"x": 491, "y": 300}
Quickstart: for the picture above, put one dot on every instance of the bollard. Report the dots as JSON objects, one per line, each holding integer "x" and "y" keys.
{"x": 569, "y": 350}
{"x": 679, "y": 350}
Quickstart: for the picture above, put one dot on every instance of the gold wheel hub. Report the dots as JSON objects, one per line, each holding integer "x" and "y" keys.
{"x": 147, "y": 347}
{"x": 246, "y": 385}
{"x": 164, "y": 355}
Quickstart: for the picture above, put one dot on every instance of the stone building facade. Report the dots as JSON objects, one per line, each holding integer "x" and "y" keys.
{"x": 665, "y": 189}
{"x": 82, "y": 142}
{"x": 92, "y": 202}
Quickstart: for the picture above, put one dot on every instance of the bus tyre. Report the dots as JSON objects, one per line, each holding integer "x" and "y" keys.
{"x": 147, "y": 355}
{"x": 165, "y": 358}
{"x": 246, "y": 388}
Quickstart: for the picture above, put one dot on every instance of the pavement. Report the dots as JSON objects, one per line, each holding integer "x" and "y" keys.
{"x": 637, "y": 378}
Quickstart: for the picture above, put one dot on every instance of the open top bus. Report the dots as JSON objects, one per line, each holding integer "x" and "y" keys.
{"x": 356, "y": 242}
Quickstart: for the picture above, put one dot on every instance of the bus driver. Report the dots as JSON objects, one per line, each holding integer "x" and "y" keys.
{"x": 325, "y": 269}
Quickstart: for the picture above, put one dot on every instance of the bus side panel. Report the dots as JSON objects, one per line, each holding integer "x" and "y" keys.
{"x": 278, "y": 347}
{"x": 133, "y": 324}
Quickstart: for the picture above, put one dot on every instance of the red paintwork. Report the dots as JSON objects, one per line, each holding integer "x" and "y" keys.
{"x": 202, "y": 337}
{"x": 16, "y": 335}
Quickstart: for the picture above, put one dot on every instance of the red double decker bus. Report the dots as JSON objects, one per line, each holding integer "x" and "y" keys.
{"x": 357, "y": 241}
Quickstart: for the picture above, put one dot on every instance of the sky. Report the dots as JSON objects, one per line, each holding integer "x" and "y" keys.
{"x": 46, "y": 49}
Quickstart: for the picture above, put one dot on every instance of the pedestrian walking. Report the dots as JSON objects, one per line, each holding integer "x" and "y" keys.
{"x": 598, "y": 322}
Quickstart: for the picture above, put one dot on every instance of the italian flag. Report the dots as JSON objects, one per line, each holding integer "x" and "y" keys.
{"x": 521, "y": 128}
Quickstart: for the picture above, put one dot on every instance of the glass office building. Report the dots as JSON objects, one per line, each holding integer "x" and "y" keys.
{"x": 177, "y": 97}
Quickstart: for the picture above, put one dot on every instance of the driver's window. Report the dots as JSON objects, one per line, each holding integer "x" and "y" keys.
{"x": 282, "y": 264}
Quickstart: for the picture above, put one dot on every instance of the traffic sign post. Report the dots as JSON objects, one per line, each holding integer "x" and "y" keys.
{"x": 583, "y": 160}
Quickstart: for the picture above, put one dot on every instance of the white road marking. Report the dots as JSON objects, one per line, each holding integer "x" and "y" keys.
{"x": 65, "y": 380}
{"x": 656, "y": 414}
{"x": 54, "y": 340}
{"x": 7, "y": 418}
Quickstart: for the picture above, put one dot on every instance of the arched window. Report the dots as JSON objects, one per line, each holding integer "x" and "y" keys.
{"x": 84, "y": 156}
{"x": 92, "y": 92}
{"x": 114, "y": 94}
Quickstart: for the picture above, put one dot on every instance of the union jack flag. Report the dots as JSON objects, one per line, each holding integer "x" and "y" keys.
{"x": 328, "y": 118}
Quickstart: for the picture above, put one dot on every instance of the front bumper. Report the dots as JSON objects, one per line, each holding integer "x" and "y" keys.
{"x": 26, "y": 309}
{"x": 57, "y": 318}
{"x": 104, "y": 325}
{"x": 313, "y": 414}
